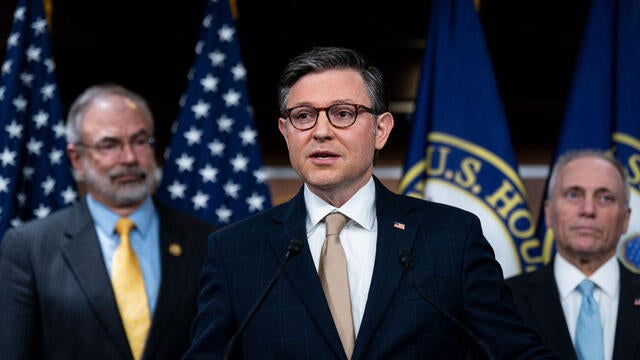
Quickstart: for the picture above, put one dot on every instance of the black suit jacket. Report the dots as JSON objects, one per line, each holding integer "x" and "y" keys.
{"x": 453, "y": 262}
{"x": 56, "y": 300}
{"x": 538, "y": 300}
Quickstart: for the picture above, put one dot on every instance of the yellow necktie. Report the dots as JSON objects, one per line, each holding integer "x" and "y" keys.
{"x": 335, "y": 282}
{"x": 128, "y": 287}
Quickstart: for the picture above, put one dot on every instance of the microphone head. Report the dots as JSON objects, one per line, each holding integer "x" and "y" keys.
{"x": 295, "y": 247}
{"x": 405, "y": 258}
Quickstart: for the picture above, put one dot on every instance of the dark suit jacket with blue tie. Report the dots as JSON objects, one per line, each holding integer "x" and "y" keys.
{"x": 56, "y": 300}
{"x": 536, "y": 295}
{"x": 453, "y": 262}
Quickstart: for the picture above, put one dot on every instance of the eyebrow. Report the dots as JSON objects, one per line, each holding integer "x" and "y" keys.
{"x": 132, "y": 136}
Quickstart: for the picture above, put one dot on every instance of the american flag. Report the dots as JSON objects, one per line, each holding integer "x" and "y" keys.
{"x": 35, "y": 178}
{"x": 213, "y": 168}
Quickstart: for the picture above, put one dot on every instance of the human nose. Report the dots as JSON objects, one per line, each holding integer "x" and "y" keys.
{"x": 323, "y": 126}
{"x": 127, "y": 152}
{"x": 588, "y": 206}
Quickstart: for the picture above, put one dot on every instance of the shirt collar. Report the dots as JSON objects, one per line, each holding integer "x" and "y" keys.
{"x": 106, "y": 219}
{"x": 360, "y": 208}
{"x": 568, "y": 277}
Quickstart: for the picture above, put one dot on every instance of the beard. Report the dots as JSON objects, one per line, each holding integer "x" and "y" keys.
{"x": 124, "y": 194}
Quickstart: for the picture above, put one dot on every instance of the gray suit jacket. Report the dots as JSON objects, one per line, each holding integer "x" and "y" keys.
{"x": 56, "y": 300}
{"x": 538, "y": 300}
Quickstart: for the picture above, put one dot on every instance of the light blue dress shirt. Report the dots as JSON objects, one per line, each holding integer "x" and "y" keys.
{"x": 145, "y": 242}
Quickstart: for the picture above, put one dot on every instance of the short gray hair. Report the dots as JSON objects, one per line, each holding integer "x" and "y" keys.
{"x": 85, "y": 100}
{"x": 571, "y": 155}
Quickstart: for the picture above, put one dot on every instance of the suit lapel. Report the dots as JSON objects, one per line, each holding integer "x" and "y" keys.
{"x": 396, "y": 231}
{"x": 544, "y": 302}
{"x": 81, "y": 250}
{"x": 301, "y": 271}
{"x": 627, "y": 338}
{"x": 174, "y": 270}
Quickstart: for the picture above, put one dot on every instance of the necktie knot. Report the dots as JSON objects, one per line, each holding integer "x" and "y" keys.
{"x": 124, "y": 226}
{"x": 335, "y": 222}
{"x": 586, "y": 287}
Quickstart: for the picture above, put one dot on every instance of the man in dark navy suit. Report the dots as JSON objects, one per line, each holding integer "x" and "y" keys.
{"x": 346, "y": 295}
{"x": 65, "y": 291}
{"x": 588, "y": 210}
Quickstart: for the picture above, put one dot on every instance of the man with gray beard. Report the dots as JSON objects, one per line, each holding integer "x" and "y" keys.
{"x": 114, "y": 276}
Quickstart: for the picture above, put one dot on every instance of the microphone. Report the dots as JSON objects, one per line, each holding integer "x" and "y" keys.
{"x": 405, "y": 257}
{"x": 294, "y": 248}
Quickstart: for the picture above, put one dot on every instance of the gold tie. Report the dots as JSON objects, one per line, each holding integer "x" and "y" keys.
{"x": 128, "y": 287}
{"x": 335, "y": 282}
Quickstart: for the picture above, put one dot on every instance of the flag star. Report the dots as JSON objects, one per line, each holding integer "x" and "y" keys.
{"x": 216, "y": 147}
{"x": 185, "y": 162}
{"x": 40, "y": 26}
{"x": 14, "y": 129}
{"x": 69, "y": 195}
{"x": 177, "y": 190}
{"x": 2, "y": 90}
{"x": 48, "y": 185}
{"x": 33, "y": 53}
{"x": 239, "y": 72}
{"x": 225, "y": 33}
{"x": 199, "y": 47}
{"x": 6, "y": 67}
{"x": 206, "y": 22}
{"x": 209, "y": 83}
{"x": 200, "y": 200}
{"x": 181, "y": 102}
{"x": 231, "y": 98}
{"x": 41, "y": 119}
{"x": 260, "y": 175}
{"x": 217, "y": 58}
{"x": 55, "y": 156}
{"x": 34, "y": 146}
{"x": 22, "y": 198}
{"x": 26, "y": 79}
{"x": 190, "y": 74}
{"x": 16, "y": 222}
{"x": 231, "y": 189}
{"x": 13, "y": 40}
{"x": 28, "y": 172}
{"x": 209, "y": 174}
{"x": 50, "y": 65}
{"x": 224, "y": 123}
{"x": 4, "y": 184}
{"x": 19, "y": 13}
{"x": 239, "y": 163}
{"x": 201, "y": 109}
{"x": 223, "y": 214}
{"x": 20, "y": 103}
{"x": 47, "y": 91}
{"x": 255, "y": 202}
{"x": 59, "y": 129}
{"x": 42, "y": 211}
{"x": 248, "y": 136}
{"x": 193, "y": 136}
{"x": 8, "y": 157}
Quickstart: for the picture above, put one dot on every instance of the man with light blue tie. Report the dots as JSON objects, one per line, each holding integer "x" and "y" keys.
{"x": 585, "y": 285}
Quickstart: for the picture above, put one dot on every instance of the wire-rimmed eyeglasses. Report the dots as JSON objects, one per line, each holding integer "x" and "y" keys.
{"x": 113, "y": 147}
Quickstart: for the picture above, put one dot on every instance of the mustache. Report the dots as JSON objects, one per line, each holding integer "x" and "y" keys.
{"x": 128, "y": 171}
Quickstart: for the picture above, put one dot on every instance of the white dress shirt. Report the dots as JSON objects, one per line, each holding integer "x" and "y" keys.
{"x": 606, "y": 293}
{"x": 358, "y": 238}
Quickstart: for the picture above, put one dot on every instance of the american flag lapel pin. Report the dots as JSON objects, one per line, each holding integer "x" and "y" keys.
{"x": 636, "y": 302}
{"x": 398, "y": 225}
